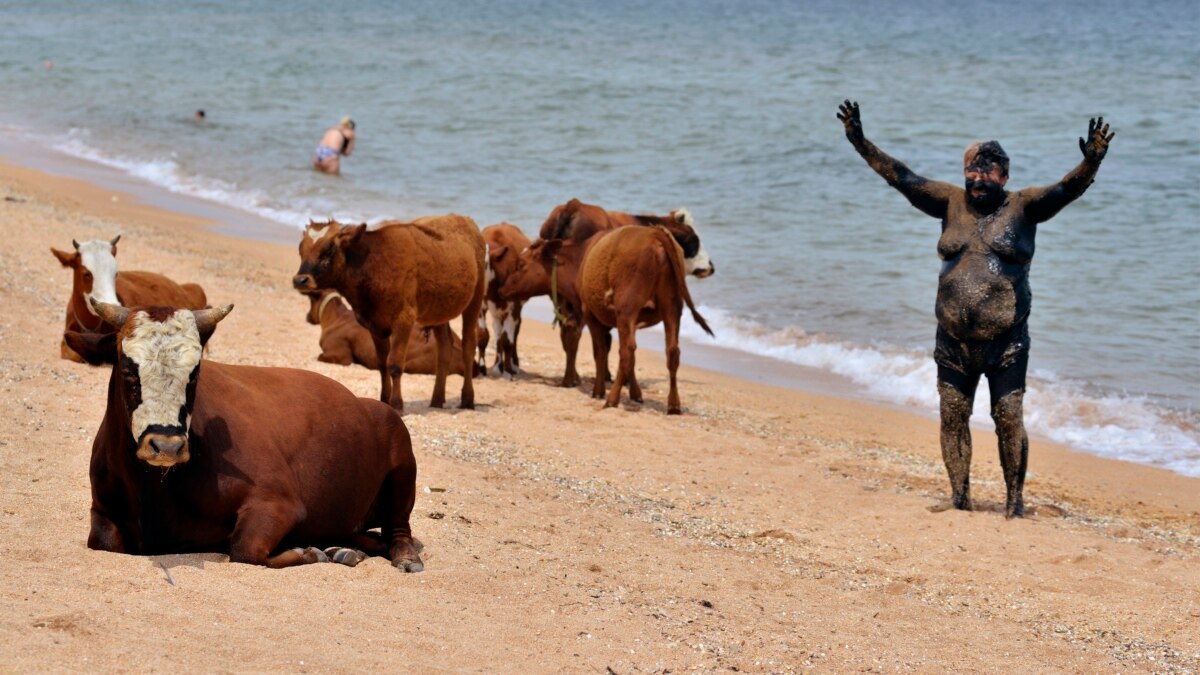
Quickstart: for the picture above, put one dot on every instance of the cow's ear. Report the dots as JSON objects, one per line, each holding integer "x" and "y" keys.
{"x": 207, "y": 320}
{"x": 499, "y": 252}
{"x": 67, "y": 259}
{"x": 95, "y": 348}
{"x": 683, "y": 217}
{"x": 350, "y": 234}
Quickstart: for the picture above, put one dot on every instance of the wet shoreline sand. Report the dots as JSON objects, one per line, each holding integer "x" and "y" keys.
{"x": 766, "y": 529}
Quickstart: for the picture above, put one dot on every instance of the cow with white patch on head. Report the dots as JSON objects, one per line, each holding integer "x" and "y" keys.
{"x": 95, "y": 274}
{"x": 265, "y": 463}
{"x": 505, "y": 243}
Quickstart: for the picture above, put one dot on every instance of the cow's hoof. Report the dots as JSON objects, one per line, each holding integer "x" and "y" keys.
{"x": 345, "y": 556}
{"x": 466, "y": 406}
{"x": 409, "y": 566}
{"x": 311, "y": 555}
{"x": 674, "y": 411}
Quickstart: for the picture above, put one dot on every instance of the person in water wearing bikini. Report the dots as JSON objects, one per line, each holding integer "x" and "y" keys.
{"x": 336, "y": 142}
{"x": 983, "y": 295}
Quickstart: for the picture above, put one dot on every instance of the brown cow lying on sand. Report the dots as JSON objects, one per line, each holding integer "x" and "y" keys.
{"x": 400, "y": 276}
{"x": 505, "y": 243}
{"x": 94, "y": 269}
{"x": 195, "y": 455}
{"x": 631, "y": 278}
{"x": 344, "y": 341}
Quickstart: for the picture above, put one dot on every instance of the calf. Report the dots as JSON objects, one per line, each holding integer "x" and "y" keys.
{"x": 344, "y": 341}
{"x": 631, "y": 278}
{"x": 505, "y": 243}
{"x": 94, "y": 272}
{"x": 400, "y": 276}
{"x": 195, "y": 455}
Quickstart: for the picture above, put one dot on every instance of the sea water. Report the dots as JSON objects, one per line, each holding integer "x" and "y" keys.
{"x": 502, "y": 110}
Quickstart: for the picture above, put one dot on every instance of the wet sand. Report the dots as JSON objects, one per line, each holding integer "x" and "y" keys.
{"x": 767, "y": 529}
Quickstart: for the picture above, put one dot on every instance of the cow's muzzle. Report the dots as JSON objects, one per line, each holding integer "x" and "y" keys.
{"x": 304, "y": 282}
{"x": 163, "y": 450}
{"x": 703, "y": 272}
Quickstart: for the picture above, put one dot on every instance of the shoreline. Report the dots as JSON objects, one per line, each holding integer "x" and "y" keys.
{"x": 241, "y": 224}
{"x": 767, "y": 528}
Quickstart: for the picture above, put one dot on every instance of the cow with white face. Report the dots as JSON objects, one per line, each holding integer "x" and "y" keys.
{"x": 264, "y": 463}
{"x": 96, "y": 276}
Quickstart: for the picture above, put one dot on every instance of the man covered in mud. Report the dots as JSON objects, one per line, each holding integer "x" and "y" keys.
{"x": 983, "y": 295}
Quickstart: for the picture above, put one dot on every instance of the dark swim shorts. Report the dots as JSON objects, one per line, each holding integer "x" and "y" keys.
{"x": 1004, "y": 360}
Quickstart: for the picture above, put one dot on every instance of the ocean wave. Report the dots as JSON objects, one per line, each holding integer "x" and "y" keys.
{"x": 167, "y": 174}
{"x": 1115, "y": 425}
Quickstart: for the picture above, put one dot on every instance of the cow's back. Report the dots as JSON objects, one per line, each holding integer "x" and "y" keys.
{"x": 442, "y": 256}
{"x": 143, "y": 289}
{"x": 628, "y": 259}
{"x": 296, "y": 434}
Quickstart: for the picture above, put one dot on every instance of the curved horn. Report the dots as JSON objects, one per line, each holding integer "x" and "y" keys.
{"x": 76, "y": 244}
{"x": 115, "y": 240}
{"x": 207, "y": 319}
{"x": 114, "y": 315}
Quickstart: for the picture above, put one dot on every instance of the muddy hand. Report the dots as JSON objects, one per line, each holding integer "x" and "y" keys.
{"x": 848, "y": 114}
{"x": 1096, "y": 145}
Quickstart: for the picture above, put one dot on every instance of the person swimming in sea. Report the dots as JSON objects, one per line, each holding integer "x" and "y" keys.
{"x": 337, "y": 141}
{"x": 983, "y": 295}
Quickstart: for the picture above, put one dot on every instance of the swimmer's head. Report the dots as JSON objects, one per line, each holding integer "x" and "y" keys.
{"x": 347, "y": 123}
{"x": 983, "y": 155}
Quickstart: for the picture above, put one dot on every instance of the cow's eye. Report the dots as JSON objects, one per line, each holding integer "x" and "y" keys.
{"x": 87, "y": 276}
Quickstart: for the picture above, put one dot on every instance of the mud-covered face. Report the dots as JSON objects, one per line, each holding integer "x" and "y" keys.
{"x": 159, "y": 361}
{"x": 984, "y": 186}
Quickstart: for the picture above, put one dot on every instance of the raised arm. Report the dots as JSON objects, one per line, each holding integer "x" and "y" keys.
{"x": 930, "y": 196}
{"x": 1044, "y": 203}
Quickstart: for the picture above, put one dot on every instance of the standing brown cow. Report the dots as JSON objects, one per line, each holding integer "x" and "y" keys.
{"x": 631, "y": 278}
{"x": 195, "y": 455}
{"x": 505, "y": 243}
{"x": 399, "y": 276}
{"x": 344, "y": 341}
{"x": 94, "y": 272}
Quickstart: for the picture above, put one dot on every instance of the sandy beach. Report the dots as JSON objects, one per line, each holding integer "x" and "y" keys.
{"x": 765, "y": 530}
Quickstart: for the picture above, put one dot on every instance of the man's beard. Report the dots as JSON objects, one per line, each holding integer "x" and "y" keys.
{"x": 990, "y": 200}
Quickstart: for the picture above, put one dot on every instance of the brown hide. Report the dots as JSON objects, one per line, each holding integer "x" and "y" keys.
{"x": 398, "y": 277}
{"x": 505, "y": 244}
{"x": 532, "y": 277}
{"x": 133, "y": 288}
{"x": 578, "y": 222}
{"x": 344, "y": 341}
{"x": 632, "y": 278}
{"x": 277, "y": 458}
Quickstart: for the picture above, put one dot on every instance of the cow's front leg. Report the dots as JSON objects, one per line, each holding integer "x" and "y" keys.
{"x": 393, "y": 365}
{"x": 105, "y": 535}
{"x": 260, "y": 527}
{"x": 441, "y": 334}
{"x": 382, "y": 348}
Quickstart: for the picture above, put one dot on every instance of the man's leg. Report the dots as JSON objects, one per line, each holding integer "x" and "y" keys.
{"x": 1007, "y": 387}
{"x": 957, "y": 393}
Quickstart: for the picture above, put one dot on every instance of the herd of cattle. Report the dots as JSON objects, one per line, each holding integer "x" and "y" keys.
{"x": 187, "y": 459}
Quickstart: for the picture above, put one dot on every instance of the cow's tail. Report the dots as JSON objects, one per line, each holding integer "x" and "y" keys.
{"x": 675, "y": 259}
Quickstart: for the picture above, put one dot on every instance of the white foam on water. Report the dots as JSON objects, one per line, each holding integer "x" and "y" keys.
{"x": 167, "y": 174}
{"x": 1120, "y": 426}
